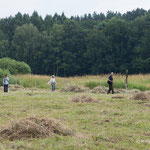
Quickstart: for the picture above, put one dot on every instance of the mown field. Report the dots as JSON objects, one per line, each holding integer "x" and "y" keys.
{"x": 108, "y": 124}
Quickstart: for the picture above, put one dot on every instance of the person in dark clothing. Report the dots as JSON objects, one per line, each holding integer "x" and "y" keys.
{"x": 5, "y": 83}
{"x": 110, "y": 83}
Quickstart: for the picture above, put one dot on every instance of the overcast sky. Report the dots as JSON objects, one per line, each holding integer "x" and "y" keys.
{"x": 69, "y": 7}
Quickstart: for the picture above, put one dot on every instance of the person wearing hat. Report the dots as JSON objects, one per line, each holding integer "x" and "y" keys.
{"x": 110, "y": 83}
{"x": 52, "y": 82}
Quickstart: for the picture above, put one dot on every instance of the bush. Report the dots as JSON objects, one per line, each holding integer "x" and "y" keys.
{"x": 13, "y": 80}
{"x": 14, "y": 67}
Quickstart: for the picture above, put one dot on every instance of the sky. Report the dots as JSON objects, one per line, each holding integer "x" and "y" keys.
{"x": 69, "y": 7}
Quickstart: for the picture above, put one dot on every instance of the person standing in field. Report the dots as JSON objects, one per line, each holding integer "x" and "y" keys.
{"x": 5, "y": 83}
{"x": 53, "y": 82}
{"x": 110, "y": 83}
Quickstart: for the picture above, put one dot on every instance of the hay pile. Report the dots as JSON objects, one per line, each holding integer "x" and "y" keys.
{"x": 100, "y": 89}
{"x": 74, "y": 88}
{"x": 141, "y": 96}
{"x": 33, "y": 127}
{"x": 84, "y": 99}
{"x": 118, "y": 97}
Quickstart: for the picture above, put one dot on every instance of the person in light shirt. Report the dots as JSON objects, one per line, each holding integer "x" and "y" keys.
{"x": 5, "y": 83}
{"x": 52, "y": 82}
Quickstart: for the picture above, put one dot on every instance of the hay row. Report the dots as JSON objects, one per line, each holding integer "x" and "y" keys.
{"x": 84, "y": 99}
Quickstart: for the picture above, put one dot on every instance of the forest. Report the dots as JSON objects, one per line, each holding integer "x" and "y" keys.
{"x": 91, "y": 44}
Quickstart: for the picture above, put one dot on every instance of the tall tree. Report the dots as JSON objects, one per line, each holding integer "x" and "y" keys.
{"x": 26, "y": 43}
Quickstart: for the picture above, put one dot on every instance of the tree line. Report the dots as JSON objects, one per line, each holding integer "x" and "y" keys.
{"x": 91, "y": 44}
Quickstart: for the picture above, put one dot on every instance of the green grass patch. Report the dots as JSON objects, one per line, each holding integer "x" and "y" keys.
{"x": 118, "y": 84}
{"x": 110, "y": 124}
{"x": 93, "y": 84}
{"x": 138, "y": 86}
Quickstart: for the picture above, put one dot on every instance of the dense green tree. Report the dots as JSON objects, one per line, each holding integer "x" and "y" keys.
{"x": 99, "y": 53}
{"x": 26, "y": 43}
{"x": 88, "y": 44}
{"x": 37, "y": 21}
{"x": 73, "y": 48}
{"x": 52, "y": 61}
{"x": 116, "y": 31}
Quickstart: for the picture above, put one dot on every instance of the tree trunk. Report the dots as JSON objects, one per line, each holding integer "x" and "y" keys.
{"x": 57, "y": 71}
{"x": 126, "y": 80}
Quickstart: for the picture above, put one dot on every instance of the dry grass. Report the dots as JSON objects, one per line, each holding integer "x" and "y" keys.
{"x": 147, "y": 104}
{"x": 141, "y": 96}
{"x": 34, "y": 127}
{"x": 74, "y": 88}
{"x": 104, "y": 90}
{"x": 84, "y": 99}
{"x": 118, "y": 97}
{"x": 99, "y": 89}
{"x": 109, "y": 124}
{"x": 141, "y": 82}
{"x": 13, "y": 87}
{"x": 131, "y": 91}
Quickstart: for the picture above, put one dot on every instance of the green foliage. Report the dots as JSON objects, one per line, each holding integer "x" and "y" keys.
{"x": 12, "y": 79}
{"x": 14, "y": 67}
{"x": 91, "y": 44}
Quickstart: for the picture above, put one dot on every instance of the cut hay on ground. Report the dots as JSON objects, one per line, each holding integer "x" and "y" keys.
{"x": 100, "y": 89}
{"x": 141, "y": 96}
{"x": 130, "y": 91}
{"x": 74, "y": 88}
{"x": 147, "y": 104}
{"x": 104, "y": 90}
{"x": 84, "y": 99}
{"x": 33, "y": 127}
{"x": 15, "y": 87}
{"x": 118, "y": 97}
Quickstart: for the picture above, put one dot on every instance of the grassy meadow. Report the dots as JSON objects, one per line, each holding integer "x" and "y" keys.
{"x": 110, "y": 124}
